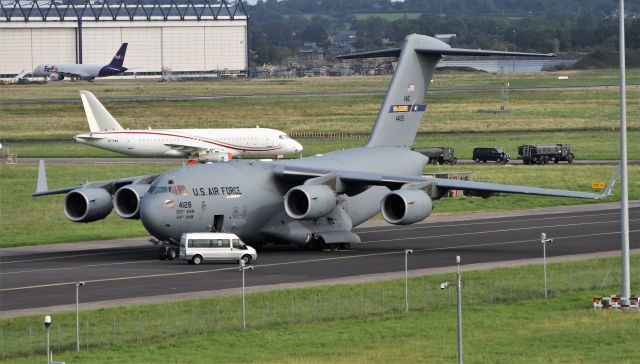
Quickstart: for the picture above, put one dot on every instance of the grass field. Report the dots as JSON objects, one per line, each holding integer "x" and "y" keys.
{"x": 27, "y": 221}
{"x": 550, "y": 110}
{"x": 585, "y": 145}
{"x": 443, "y": 79}
{"x": 504, "y": 320}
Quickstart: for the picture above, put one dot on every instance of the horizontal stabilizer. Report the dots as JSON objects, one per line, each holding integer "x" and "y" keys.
{"x": 395, "y": 52}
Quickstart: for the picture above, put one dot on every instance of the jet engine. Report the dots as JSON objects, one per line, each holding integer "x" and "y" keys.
{"x": 404, "y": 207}
{"x": 126, "y": 200}
{"x": 56, "y": 77}
{"x": 87, "y": 204}
{"x": 309, "y": 202}
{"x": 215, "y": 156}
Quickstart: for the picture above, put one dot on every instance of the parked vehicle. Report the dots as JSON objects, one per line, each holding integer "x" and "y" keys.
{"x": 545, "y": 153}
{"x": 484, "y": 154}
{"x": 199, "y": 247}
{"x": 438, "y": 155}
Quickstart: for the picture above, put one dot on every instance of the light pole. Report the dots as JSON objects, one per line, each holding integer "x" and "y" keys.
{"x": 458, "y": 285}
{"x": 406, "y": 279}
{"x": 242, "y": 268}
{"x": 544, "y": 241}
{"x": 78, "y": 285}
{"x": 47, "y": 324}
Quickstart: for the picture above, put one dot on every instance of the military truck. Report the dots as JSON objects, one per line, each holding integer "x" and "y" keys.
{"x": 545, "y": 153}
{"x": 438, "y": 155}
{"x": 484, "y": 154}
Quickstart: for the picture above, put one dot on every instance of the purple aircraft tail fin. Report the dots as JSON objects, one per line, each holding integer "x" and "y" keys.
{"x": 118, "y": 59}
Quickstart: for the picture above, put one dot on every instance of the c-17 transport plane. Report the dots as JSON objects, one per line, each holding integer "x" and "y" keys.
{"x": 58, "y": 71}
{"x": 204, "y": 145}
{"x": 307, "y": 201}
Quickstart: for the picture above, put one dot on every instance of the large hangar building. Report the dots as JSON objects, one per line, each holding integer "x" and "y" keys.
{"x": 178, "y": 36}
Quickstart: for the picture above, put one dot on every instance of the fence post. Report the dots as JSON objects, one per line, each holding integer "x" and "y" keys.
{"x": 382, "y": 301}
{"x": 551, "y": 283}
{"x": 166, "y": 323}
{"x": 30, "y": 343}
{"x": 531, "y": 286}
{"x": 338, "y": 304}
{"x": 361, "y": 305}
{"x": 315, "y": 307}
{"x": 470, "y": 293}
{"x": 426, "y": 298}
{"x": 267, "y": 312}
{"x": 114, "y": 328}
{"x": 2, "y": 346}
{"x": 292, "y": 316}
{"x": 217, "y": 317}
{"x": 192, "y": 319}
{"x": 87, "y": 334}
{"x": 57, "y": 339}
{"x": 490, "y": 293}
{"x": 510, "y": 291}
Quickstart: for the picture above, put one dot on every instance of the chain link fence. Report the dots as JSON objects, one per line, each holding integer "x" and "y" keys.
{"x": 137, "y": 324}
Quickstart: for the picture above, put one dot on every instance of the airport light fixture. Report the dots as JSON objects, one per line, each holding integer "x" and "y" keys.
{"x": 243, "y": 267}
{"x": 458, "y": 285}
{"x": 624, "y": 181}
{"x": 406, "y": 279}
{"x": 78, "y": 285}
{"x": 47, "y": 324}
{"x": 544, "y": 241}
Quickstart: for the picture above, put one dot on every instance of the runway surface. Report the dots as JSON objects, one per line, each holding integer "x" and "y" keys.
{"x": 33, "y": 279}
{"x": 292, "y": 94}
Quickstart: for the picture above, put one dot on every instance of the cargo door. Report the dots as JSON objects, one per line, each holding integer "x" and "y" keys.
{"x": 216, "y": 225}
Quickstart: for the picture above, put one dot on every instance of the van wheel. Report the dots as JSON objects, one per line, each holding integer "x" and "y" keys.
{"x": 247, "y": 258}
{"x": 172, "y": 254}
{"x": 477, "y": 160}
{"x": 196, "y": 259}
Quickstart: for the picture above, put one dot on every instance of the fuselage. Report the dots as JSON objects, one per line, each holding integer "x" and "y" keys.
{"x": 248, "y": 195}
{"x": 87, "y": 71}
{"x": 165, "y": 143}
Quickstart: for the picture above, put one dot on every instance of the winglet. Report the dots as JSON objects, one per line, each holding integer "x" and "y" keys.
{"x": 608, "y": 190}
{"x": 42, "y": 178}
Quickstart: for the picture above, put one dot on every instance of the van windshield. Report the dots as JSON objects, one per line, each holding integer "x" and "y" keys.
{"x": 239, "y": 244}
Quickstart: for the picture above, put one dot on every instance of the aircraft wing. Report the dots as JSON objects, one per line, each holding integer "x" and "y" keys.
{"x": 436, "y": 187}
{"x": 110, "y": 186}
{"x": 192, "y": 147}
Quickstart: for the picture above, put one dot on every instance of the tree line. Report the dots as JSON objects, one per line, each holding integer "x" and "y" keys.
{"x": 279, "y": 28}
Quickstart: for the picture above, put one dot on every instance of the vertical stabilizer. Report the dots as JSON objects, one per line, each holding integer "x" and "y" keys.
{"x": 401, "y": 112}
{"x": 98, "y": 117}
{"x": 42, "y": 185}
{"x": 118, "y": 59}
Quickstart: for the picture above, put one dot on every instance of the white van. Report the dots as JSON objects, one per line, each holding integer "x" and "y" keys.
{"x": 198, "y": 247}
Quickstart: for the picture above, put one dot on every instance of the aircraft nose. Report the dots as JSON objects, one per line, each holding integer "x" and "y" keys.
{"x": 297, "y": 147}
{"x": 153, "y": 209}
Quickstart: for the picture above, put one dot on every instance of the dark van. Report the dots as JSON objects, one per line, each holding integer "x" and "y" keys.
{"x": 490, "y": 154}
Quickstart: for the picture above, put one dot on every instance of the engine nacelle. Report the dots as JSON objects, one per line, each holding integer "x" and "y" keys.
{"x": 215, "y": 156}
{"x": 87, "y": 204}
{"x": 56, "y": 77}
{"x": 309, "y": 202}
{"x": 404, "y": 207}
{"x": 126, "y": 200}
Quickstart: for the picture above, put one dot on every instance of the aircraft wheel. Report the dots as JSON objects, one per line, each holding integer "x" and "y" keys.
{"x": 162, "y": 254}
{"x": 196, "y": 260}
{"x": 172, "y": 254}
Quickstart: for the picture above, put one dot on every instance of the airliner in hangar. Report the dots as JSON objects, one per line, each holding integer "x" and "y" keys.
{"x": 204, "y": 145}
{"x": 58, "y": 71}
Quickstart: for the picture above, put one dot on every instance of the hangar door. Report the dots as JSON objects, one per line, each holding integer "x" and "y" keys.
{"x": 25, "y": 48}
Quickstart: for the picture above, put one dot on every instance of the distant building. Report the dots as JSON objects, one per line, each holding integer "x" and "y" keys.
{"x": 310, "y": 52}
{"x": 342, "y": 42}
{"x": 447, "y": 38}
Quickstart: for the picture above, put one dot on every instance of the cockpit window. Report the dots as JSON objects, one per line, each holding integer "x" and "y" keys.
{"x": 284, "y": 136}
{"x": 178, "y": 190}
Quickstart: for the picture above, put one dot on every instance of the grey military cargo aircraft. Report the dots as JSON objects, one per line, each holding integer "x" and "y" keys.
{"x": 307, "y": 201}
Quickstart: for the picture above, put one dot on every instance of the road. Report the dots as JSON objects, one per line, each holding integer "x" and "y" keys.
{"x": 293, "y": 94}
{"x": 35, "y": 279}
{"x": 178, "y": 161}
